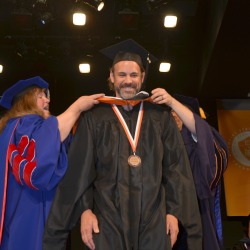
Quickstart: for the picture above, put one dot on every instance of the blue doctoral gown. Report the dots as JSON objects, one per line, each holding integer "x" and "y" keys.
{"x": 32, "y": 161}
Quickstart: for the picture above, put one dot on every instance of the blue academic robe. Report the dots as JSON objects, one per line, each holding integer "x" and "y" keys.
{"x": 33, "y": 161}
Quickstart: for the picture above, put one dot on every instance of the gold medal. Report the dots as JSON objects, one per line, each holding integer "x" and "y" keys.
{"x": 134, "y": 161}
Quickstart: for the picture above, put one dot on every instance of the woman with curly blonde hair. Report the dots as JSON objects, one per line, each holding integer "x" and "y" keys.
{"x": 33, "y": 159}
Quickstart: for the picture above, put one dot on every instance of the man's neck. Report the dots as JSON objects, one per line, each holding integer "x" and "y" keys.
{"x": 127, "y": 107}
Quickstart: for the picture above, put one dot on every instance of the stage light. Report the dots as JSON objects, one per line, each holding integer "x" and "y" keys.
{"x": 97, "y": 4}
{"x": 45, "y": 18}
{"x": 170, "y": 21}
{"x": 79, "y": 18}
{"x": 164, "y": 67}
{"x": 42, "y": 12}
{"x": 84, "y": 68}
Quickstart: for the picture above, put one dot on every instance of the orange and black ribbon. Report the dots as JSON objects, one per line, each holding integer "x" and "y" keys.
{"x": 122, "y": 102}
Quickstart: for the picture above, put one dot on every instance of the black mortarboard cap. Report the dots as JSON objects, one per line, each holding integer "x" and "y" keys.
{"x": 121, "y": 52}
{"x": 130, "y": 50}
{"x": 20, "y": 86}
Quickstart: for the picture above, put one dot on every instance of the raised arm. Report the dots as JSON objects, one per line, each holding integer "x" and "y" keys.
{"x": 67, "y": 119}
{"x": 161, "y": 96}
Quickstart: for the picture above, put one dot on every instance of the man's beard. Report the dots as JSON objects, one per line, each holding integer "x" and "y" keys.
{"x": 127, "y": 94}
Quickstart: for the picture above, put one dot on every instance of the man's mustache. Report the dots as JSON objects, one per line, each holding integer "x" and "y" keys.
{"x": 128, "y": 85}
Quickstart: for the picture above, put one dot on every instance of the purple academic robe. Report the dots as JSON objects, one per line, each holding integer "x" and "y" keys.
{"x": 208, "y": 159}
{"x": 33, "y": 161}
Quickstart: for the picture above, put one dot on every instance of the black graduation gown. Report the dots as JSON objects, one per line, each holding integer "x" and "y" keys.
{"x": 130, "y": 203}
{"x": 208, "y": 159}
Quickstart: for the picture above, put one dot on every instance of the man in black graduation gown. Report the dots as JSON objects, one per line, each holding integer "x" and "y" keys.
{"x": 208, "y": 155}
{"x": 129, "y": 176}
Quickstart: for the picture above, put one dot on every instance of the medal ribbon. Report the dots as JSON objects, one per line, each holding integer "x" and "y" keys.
{"x": 118, "y": 101}
{"x": 133, "y": 141}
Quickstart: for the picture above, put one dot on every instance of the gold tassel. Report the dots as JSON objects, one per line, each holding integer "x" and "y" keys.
{"x": 202, "y": 113}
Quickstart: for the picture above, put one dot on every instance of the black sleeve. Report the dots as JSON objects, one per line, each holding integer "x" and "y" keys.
{"x": 181, "y": 198}
{"x": 74, "y": 193}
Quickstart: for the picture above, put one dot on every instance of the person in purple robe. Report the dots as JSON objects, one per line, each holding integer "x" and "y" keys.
{"x": 208, "y": 156}
{"x": 33, "y": 159}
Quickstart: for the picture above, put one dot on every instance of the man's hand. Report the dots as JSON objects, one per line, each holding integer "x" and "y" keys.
{"x": 172, "y": 228}
{"x": 89, "y": 224}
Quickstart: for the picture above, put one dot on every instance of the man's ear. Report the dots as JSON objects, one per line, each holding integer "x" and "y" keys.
{"x": 111, "y": 76}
